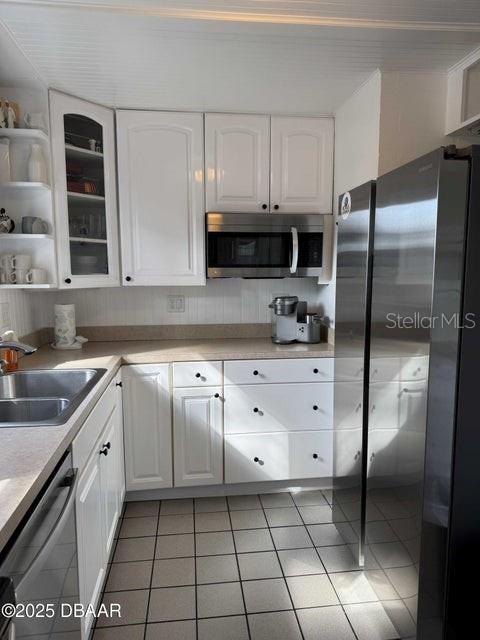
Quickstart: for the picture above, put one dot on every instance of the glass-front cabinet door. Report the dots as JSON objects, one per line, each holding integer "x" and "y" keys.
{"x": 83, "y": 146}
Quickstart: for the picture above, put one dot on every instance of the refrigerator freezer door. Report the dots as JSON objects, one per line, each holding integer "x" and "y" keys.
{"x": 355, "y": 228}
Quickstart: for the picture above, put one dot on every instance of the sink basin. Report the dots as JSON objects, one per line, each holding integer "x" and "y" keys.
{"x": 44, "y": 397}
{"x": 32, "y": 410}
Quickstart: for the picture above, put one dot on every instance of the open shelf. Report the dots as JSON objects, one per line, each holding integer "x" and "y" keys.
{"x": 79, "y": 153}
{"x": 24, "y": 185}
{"x": 88, "y": 240}
{"x": 24, "y": 134}
{"x": 28, "y": 286}
{"x": 73, "y": 195}
{"x": 25, "y": 236}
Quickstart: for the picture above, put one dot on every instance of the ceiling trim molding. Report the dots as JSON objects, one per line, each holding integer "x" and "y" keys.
{"x": 252, "y": 17}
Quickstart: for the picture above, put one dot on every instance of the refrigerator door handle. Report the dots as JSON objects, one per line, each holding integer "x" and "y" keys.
{"x": 294, "y": 264}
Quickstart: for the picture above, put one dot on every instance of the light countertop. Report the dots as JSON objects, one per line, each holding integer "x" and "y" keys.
{"x": 28, "y": 455}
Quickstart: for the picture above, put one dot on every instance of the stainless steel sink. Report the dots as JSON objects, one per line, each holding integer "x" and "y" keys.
{"x": 44, "y": 397}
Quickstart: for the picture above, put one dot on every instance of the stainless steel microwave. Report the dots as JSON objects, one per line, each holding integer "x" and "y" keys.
{"x": 249, "y": 245}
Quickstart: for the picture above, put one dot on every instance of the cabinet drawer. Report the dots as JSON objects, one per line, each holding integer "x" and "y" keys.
{"x": 278, "y": 456}
{"x": 197, "y": 374}
{"x": 93, "y": 426}
{"x": 349, "y": 369}
{"x": 278, "y": 407}
{"x": 269, "y": 371}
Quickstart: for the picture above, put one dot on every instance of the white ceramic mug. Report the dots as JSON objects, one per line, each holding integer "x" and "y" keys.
{"x": 19, "y": 276}
{"x": 6, "y": 262}
{"x": 36, "y": 276}
{"x": 21, "y": 261}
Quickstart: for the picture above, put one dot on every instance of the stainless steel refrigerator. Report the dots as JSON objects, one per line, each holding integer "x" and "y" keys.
{"x": 421, "y": 437}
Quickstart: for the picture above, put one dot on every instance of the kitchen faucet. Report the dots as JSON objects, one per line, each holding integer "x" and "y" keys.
{"x": 21, "y": 347}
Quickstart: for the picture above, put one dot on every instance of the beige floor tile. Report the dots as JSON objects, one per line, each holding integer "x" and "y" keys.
{"x": 300, "y": 562}
{"x": 180, "y": 630}
{"x": 171, "y": 603}
{"x": 132, "y": 549}
{"x": 231, "y": 628}
{"x": 217, "y": 569}
{"x": 279, "y": 625}
{"x": 332, "y": 621}
{"x": 211, "y": 544}
{"x": 209, "y": 522}
{"x": 255, "y": 566}
{"x": 219, "y": 599}
{"x": 176, "y": 572}
{"x": 266, "y": 595}
{"x": 176, "y": 507}
{"x": 175, "y": 524}
{"x": 138, "y": 527}
{"x": 175, "y": 546}
{"x": 311, "y": 591}
{"x": 124, "y": 576}
{"x": 142, "y": 508}
{"x": 133, "y": 608}
{"x": 249, "y": 540}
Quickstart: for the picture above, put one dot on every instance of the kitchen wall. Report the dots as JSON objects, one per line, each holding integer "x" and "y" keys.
{"x": 227, "y": 301}
{"x": 19, "y": 306}
{"x": 357, "y": 134}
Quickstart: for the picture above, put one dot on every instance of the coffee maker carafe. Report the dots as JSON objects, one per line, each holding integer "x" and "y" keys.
{"x": 286, "y": 311}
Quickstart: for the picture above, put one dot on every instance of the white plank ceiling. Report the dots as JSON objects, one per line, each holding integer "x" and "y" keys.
{"x": 272, "y": 56}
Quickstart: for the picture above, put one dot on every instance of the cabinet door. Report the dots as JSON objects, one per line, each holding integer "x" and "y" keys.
{"x": 198, "y": 436}
{"x": 237, "y": 160}
{"x": 147, "y": 426}
{"x": 90, "y": 533}
{"x": 301, "y": 165}
{"x": 83, "y": 154}
{"x": 160, "y": 166}
{"x": 109, "y": 476}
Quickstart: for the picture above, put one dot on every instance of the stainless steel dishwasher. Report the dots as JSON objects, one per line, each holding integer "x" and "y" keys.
{"x": 38, "y": 570}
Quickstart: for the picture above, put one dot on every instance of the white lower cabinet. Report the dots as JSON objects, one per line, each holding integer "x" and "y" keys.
{"x": 278, "y": 456}
{"x": 198, "y": 436}
{"x": 90, "y": 526}
{"x": 147, "y": 426}
{"x": 99, "y": 494}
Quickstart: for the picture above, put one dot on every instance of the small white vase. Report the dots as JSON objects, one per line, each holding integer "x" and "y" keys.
{"x": 37, "y": 167}
{"x": 4, "y": 160}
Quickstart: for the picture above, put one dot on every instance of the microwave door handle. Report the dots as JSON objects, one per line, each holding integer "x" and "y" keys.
{"x": 39, "y": 560}
{"x": 294, "y": 264}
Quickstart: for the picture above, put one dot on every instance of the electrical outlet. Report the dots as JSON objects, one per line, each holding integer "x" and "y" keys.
{"x": 5, "y": 319}
{"x": 176, "y": 304}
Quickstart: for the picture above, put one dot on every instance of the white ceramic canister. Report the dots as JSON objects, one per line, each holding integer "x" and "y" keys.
{"x": 65, "y": 329}
{"x": 5, "y": 175}
{"x": 37, "y": 167}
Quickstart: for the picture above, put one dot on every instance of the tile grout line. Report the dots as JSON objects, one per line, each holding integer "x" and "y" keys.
{"x": 281, "y": 568}
{"x": 326, "y": 571}
{"x": 238, "y": 569}
{"x": 195, "y": 565}
{"x": 151, "y": 571}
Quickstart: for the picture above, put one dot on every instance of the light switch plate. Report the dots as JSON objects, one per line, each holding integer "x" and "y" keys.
{"x": 176, "y": 304}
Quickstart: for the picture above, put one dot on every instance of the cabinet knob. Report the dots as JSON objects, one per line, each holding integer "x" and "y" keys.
{"x": 264, "y": 206}
{"x": 276, "y": 207}
{"x": 255, "y": 373}
{"x": 315, "y": 370}
{"x": 315, "y": 407}
{"x": 315, "y": 456}
{"x": 68, "y": 280}
{"x": 128, "y": 278}
{"x": 118, "y": 384}
{"x": 256, "y": 459}
{"x": 255, "y": 409}
{"x": 104, "y": 451}
{"x": 217, "y": 395}
{"x": 107, "y": 445}
{"x": 198, "y": 375}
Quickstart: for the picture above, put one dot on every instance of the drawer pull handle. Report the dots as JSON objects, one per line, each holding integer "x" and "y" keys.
{"x": 372, "y": 457}
{"x": 259, "y": 461}
{"x": 315, "y": 370}
{"x": 104, "y": 451}
{"x": 315, "y": 407}
{"x": 107, "y": 445}
{"x": 315, "y": 456}
{"x": 255, "y": 373}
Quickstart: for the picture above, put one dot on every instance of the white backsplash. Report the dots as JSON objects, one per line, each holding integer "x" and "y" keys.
{"x": 227, "y": 301}
{"x": 22, "y": 311}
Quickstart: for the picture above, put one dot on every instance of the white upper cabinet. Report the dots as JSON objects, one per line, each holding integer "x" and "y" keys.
{"x": 83, "y": 157}
{"x": 160, "y": 167}
{"x": 237, "y": 162}
{"x": 301, "y": 165}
